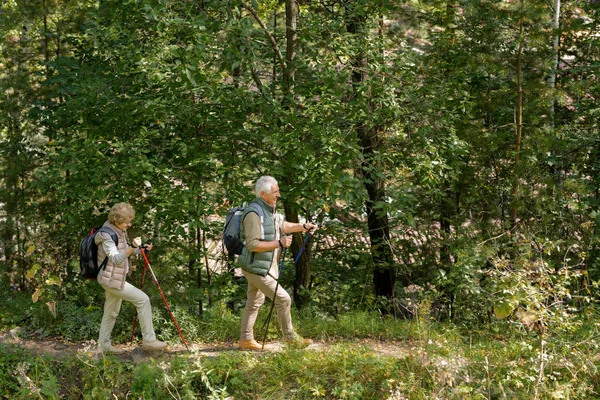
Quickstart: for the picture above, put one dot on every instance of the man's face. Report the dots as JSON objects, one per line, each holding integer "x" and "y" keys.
{"x": 271, "y": 198}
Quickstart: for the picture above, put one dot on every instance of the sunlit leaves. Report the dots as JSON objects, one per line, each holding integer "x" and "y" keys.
{"x": 30, "y": 250}
{"x": 32, "y": 272}
{"x": 36, "y": 295}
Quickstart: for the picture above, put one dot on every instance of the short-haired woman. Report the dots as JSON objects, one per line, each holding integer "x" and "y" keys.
{"x": 113, "y": 278}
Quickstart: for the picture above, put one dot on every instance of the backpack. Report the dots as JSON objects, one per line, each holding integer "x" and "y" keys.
{"x": 88, "y": 253}
{"x": 233, "y": 222}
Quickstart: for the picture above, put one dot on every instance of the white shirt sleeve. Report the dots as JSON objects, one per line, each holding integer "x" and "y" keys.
{"x": 114, "y": 256}
{"x": 280, "y": 224}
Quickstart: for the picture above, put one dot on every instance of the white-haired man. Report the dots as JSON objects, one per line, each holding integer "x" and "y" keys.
{"x": 264, "y": 239}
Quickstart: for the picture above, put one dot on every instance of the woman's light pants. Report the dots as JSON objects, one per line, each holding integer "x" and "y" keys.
{"x": 112, "y": 306}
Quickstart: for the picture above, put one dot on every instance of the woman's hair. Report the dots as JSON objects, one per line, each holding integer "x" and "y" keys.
{"x": 264, "y": 184}
{"x": 120, "y": 212}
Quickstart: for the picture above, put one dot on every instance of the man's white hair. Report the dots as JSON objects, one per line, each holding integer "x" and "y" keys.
{"x": 264, "y": 184}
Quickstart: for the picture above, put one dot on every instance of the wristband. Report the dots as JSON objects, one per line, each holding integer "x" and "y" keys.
{"x": 280, "y": 245}
{"x": 304, "y": 226}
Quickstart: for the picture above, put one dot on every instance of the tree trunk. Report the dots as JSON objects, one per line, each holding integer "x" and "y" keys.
{"x": 287, "y": 65}
{"x": 518, "y": 123}
{"x": 555, "y": 43}
{"x": 302, "y": 267}
{"x": 301, "y": 296}
{"x": 291, "y": 37}
{"x": 384, "y": 272}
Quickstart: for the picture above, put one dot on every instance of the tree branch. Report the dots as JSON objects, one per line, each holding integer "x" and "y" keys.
{"x": 268, "y": 34}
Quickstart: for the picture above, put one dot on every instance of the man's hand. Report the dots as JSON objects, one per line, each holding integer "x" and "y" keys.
{"x": 286, "y": 241}
{"x": 309, "y": 226}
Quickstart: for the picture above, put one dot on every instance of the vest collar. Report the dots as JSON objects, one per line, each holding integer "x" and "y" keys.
{"x": 114, "y": 228}
{"x": 264, "y": 205}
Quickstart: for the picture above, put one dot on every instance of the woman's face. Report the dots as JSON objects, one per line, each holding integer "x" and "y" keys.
{"x": 124, "y": 225}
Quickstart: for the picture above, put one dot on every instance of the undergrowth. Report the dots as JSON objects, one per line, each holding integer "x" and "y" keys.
{"x": 362, "y": 356}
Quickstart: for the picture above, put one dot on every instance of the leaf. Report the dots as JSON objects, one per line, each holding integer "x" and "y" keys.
{"x": 30, "y": 250}
{"x": 188, "y": 74}
{"x": 53, "y": 280}
{"x": 528, "y": 318}
{"x": 52, "y": 307}
{"x": 503, "y": 309}
{"x": 31, "y": 273}
{"x": 36, "y": 295}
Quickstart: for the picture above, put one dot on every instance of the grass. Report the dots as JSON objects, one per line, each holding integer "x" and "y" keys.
{"x": 451, "y": 369}
{"x": 366, "y": 356}
{"x": 444, "y": 363}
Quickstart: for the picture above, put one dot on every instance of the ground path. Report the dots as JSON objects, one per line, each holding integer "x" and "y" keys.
{"x": 61, "y": 349}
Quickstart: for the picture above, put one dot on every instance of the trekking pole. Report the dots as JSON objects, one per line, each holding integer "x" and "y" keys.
{"x": 265, "y": 328}
{"x": 147, "y": 263}
{"x": 135, "y": 317}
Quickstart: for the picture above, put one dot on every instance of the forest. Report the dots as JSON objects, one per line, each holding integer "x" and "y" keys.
{"x": 448, "y": 150}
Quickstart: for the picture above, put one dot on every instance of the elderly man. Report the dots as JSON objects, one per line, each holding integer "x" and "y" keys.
{"x": 264, "y": 240}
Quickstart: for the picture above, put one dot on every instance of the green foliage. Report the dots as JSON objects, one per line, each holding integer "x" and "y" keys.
{"x": 9, "y": 382}
{"x": 438, "y": 358}
{"x": 177, "y": 107}
{"x": 15, "y": 306}
{"x": 79, "y": 323}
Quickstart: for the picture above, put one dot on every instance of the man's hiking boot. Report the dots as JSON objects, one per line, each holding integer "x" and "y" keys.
{"x": 297, "y": 342}
{"x": 113, "y": 350}
{"x": 250, "y": 345}
{"x": 154, "y": 345}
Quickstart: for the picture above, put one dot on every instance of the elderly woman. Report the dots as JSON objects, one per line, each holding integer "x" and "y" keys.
{"x": 113, "y": 278}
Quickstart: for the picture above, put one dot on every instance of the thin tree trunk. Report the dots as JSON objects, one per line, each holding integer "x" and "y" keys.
{"x": 275, "y": 57}
{"x": 208, "y": 271}
{"x": 518, "y": 124}
{"x": 291, "y": 36}
{"x": 555, "y": 57}
{"x": 200, "y": 280}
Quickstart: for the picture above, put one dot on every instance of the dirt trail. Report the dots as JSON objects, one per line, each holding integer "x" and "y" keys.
{"x": 61, "y": 349}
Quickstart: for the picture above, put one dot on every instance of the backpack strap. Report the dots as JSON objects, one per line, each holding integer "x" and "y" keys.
{"x": 113, "y": 236}
{"x": 254, "y": 206}
{"x": 111, "y": 232}
{"x": 258, "y": 210}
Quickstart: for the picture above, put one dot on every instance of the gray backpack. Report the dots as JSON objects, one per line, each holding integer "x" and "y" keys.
{"x": 233, "y": 222}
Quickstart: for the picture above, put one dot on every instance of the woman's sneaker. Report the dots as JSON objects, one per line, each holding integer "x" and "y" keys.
{"x": 154, "y": 345}
{"x": 113, "y": 350}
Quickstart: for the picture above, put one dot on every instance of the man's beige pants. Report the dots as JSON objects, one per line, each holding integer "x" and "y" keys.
{"x": 258, "y": 287}
{"x": 112, "y": 306}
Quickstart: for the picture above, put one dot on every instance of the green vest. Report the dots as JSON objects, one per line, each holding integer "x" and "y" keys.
{"x": 258, "y": 263}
